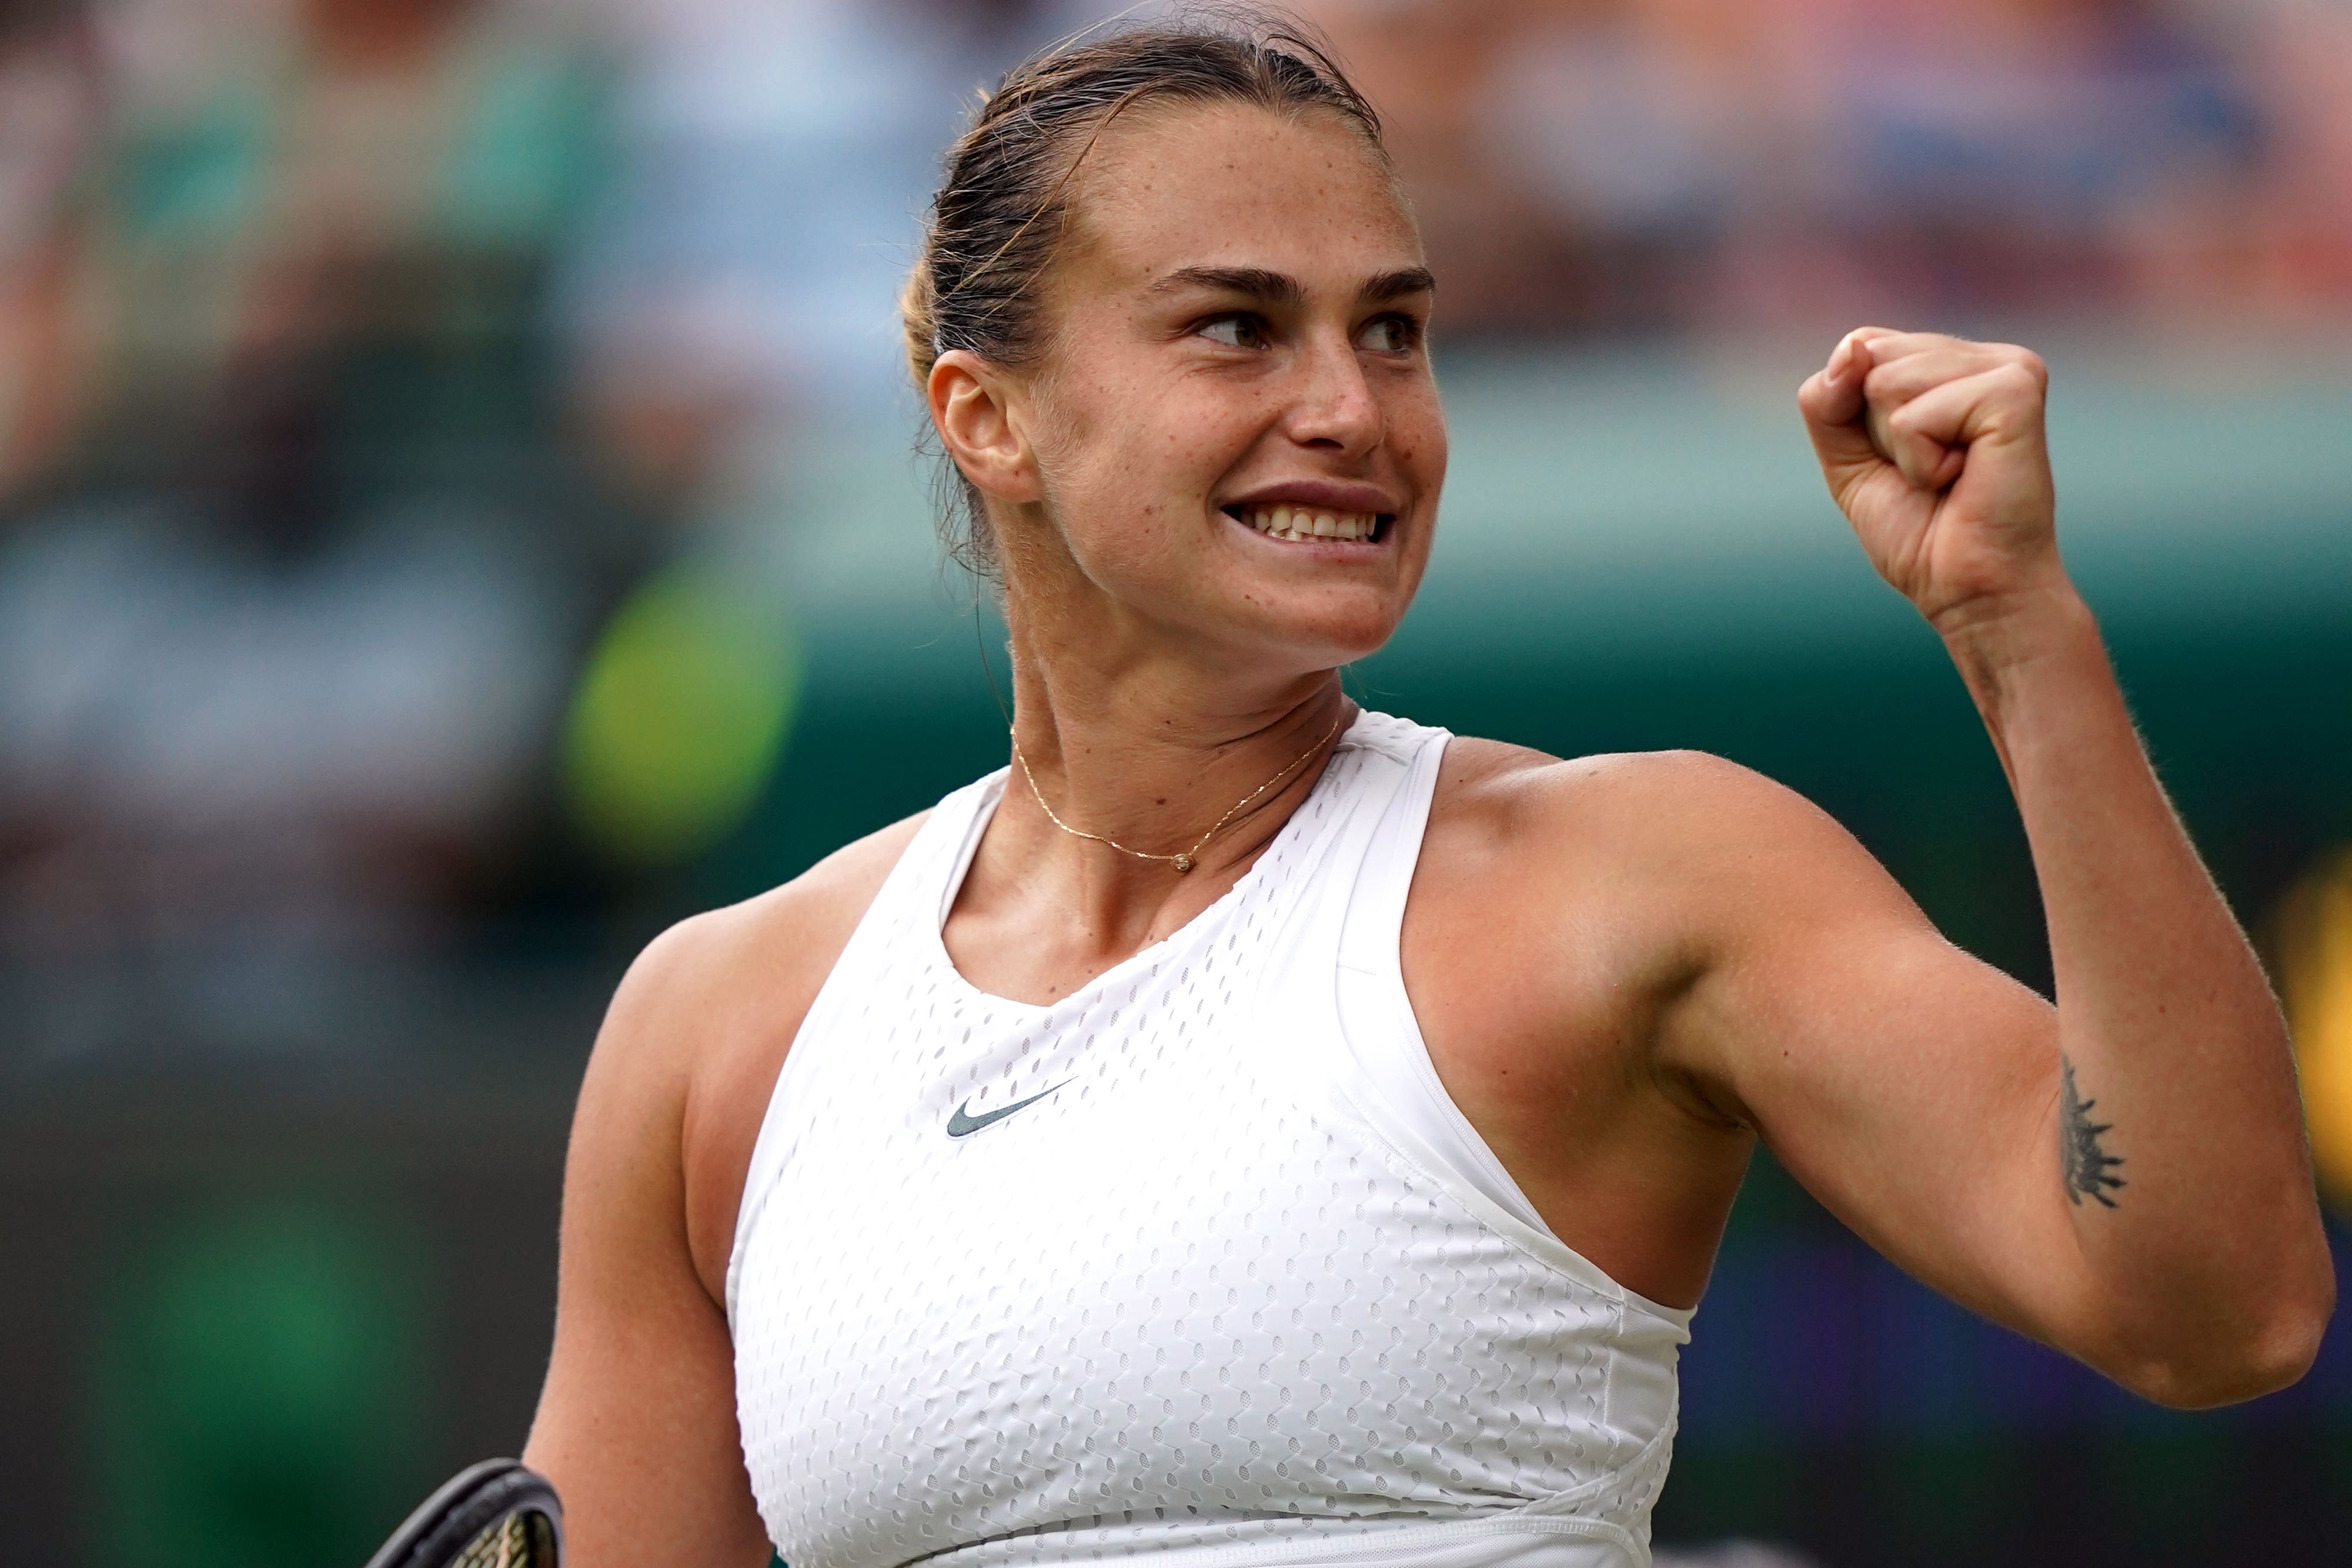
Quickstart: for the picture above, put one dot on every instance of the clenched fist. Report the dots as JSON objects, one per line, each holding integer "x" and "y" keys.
{"x": 1933, "y": 446}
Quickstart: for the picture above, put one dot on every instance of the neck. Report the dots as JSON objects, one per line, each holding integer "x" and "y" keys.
{"x": 1150, "y": 750}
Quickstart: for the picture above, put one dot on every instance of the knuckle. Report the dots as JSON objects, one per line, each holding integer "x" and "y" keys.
{"x": 2019, "y": 379}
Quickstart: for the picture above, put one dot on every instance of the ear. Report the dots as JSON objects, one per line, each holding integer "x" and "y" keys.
{"x": 979, "y": 413}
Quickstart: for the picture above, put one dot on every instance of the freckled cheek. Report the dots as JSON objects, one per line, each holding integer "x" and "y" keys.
{"x": 1219, "y": 432}
{"x": 1181, "y": 456}
{"x": 1418, "y": 439}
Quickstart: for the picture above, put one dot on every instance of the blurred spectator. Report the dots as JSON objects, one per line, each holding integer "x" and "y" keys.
{"x": 1668, "y": 164}
{"x": 289, "y": 595}
{"x": 2009, "y": 154}
{"x": 2300, "y": 56}
{"x": 49, "y": 109}
{"x": 772, "y": 163}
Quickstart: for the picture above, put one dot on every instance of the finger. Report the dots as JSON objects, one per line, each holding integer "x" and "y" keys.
{"x": 1892, "y": 382}
{"x": 2006, "y": 398}
{"x": 1925, "y": 462}
{"x": 1831, "y": 402}
{"x": 1833, "y": 394}
{"x": 1927, "y": 438}
{"x": 1887, "y": 345}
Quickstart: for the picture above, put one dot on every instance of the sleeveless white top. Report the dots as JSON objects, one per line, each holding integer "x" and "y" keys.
{"x": 1199, "y": 1262}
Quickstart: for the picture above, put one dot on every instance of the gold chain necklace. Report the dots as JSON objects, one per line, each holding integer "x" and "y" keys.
{"x": 1182, "y": 860}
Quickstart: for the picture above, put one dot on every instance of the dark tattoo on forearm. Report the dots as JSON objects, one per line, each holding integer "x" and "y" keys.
{"x": 2084, "y": 1164}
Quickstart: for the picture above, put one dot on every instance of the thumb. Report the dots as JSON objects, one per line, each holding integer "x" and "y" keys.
{"x": 1833, "y": 404}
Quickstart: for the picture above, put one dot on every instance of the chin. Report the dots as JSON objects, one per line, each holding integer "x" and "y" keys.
{"x": 1324, "y": 631}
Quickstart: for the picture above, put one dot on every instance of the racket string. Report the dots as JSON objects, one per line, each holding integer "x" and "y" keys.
{"x": 509, "y": 1544}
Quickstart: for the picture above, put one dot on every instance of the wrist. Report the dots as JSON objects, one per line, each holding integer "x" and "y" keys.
{"x": 2036, "y": 669}
{"x": 1994, "y": 637}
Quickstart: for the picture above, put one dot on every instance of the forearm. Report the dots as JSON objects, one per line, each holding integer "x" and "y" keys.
{"x": 2175, "y": 1131}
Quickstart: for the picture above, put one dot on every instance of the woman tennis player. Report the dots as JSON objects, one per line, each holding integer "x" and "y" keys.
{"x": 1251, "y": 1130}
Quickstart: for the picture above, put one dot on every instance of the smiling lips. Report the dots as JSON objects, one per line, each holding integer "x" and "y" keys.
{"x": 1284, "y": 521}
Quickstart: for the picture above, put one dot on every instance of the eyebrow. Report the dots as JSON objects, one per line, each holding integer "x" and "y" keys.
{"x": 1396, "y": 285}
{"x": 1281, "y": 288}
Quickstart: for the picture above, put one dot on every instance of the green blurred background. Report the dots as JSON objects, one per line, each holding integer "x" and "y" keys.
{"x": 456, "y": 517}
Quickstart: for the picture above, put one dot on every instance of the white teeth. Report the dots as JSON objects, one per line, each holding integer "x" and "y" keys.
{"x": 1286, "y": 522}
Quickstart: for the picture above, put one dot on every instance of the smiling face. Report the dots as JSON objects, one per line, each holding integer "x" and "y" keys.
{"x": 1233, "y": 441}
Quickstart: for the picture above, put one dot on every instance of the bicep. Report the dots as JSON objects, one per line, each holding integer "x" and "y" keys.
{"x": 1909, "y": 1086}
{"x": 636, "y": 1422}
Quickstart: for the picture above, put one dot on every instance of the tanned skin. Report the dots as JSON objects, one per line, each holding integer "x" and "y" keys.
{"x": 1628, "y": 968}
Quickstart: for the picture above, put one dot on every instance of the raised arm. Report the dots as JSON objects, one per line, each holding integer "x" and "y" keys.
{"x": 2125, "y": 1175}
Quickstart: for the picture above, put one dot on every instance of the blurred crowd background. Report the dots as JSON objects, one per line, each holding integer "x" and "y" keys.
{"x": 457, "y": 513}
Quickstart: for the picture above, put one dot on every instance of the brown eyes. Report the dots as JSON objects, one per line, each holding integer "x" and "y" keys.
{"x": 1381, "y": 335}
{"x": 1237, "y": 331}
{"x": 1389, "y": 334}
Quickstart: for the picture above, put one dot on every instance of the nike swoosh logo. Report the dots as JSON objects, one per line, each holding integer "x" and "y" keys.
{"x": 963, "y": 1123}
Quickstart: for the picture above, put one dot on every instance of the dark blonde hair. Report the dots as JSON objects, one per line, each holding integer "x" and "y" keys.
{"x": 1001, "y": 209}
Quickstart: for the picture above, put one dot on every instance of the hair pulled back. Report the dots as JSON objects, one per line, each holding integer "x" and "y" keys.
{"x": 1001, "y": 210}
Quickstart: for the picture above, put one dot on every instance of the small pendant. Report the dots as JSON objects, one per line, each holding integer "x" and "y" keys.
{"x": 1184, "y": 863}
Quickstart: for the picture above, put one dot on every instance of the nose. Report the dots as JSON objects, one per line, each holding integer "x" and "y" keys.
{"x": 1335, "y": 409}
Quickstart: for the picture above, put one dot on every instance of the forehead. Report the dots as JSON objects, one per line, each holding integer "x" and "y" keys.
{"x": 1174, "y": 185}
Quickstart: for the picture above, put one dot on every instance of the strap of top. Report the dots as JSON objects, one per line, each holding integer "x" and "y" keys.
{"x": 1375, "y": 902}
{"x": 1342, "y": 978}
{"x": 1375, "y": 1011}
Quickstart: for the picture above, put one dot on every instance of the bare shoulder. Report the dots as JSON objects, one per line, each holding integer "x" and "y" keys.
{"x": 1643, "y": 804}
{"x": 1683, "y": 850}
{"x": 770, "y": 951}
{"x": 693, "y": 984}
{"x": 698, "y": 1027}
{"x": 1593, "y": 900}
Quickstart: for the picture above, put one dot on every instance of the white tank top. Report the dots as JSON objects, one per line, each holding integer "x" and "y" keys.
{"x": 1198, "y": 1262}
